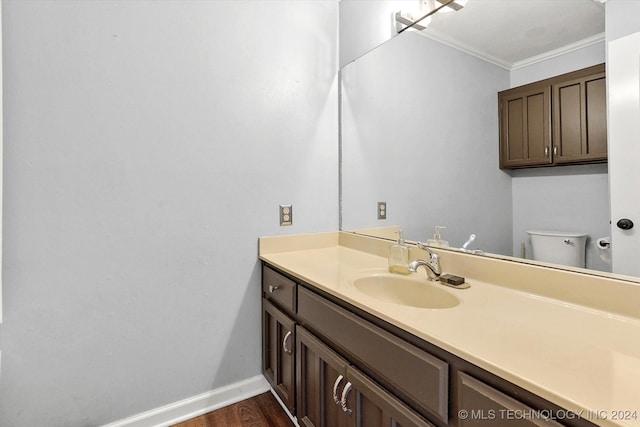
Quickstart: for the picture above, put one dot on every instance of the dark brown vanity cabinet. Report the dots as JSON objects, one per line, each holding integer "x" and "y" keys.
{"x": 318, "y": 385}
{"x": 332, "y": 392}
{"x": 334, "y": 365}
{"x": 556, "y": 121}
{"x": 414, "y": 375}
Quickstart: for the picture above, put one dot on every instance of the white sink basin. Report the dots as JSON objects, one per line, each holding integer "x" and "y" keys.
{"x": 405, "y": 290}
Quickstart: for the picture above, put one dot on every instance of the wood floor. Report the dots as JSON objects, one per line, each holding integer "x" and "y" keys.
{"x": 260, "y": 411}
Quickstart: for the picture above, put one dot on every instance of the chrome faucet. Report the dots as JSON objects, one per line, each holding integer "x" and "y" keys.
{"x": 432, "y": 265}
{"x": 432, "y": 268}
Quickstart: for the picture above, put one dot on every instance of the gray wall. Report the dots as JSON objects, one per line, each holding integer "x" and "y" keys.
{"x": 147, "y": 147}
{"x": 365, "y": 24}
{"x": 621, "y": 18}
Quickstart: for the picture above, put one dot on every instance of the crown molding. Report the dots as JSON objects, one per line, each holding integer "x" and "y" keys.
{"x": 510, "y": 66}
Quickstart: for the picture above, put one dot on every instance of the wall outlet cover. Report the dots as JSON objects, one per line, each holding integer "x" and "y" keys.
{"x": 286, "y": 215}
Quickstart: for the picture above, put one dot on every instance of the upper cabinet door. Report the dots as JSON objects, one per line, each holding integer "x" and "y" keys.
{"x": 580, "y": 119}
{"x": 525, "y": 136}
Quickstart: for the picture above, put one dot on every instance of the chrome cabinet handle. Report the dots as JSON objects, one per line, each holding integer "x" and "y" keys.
{"x": 343, "y": 401}
{"x": 284, "y": 343}
{"x": 335, "y": 389}
{"x": 546, "y": 151}
{"x": 272, "y": 288}
{"x": 555, "y": 150}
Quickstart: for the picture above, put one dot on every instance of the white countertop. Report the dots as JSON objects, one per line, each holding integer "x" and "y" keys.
{"x": 581, "y": 358}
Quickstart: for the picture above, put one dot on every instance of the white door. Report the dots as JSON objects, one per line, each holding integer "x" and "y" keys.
{"x": 623, "y": 79}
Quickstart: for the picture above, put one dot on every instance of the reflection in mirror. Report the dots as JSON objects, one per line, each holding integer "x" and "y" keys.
{"x": 420, "y": 132}
{"x": 366, "y": 24}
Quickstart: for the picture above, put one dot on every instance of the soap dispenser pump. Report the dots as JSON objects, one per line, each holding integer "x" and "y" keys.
{"x": 399, "y": 256}
{"x": 437, "y": 238}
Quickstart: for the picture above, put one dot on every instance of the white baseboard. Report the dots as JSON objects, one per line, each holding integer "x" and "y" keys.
{"x": 173, "y": 413}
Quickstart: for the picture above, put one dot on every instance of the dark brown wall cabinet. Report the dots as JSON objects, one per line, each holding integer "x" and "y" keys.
{"x": 334, "y": 365}
{"x": 562, "y": 120}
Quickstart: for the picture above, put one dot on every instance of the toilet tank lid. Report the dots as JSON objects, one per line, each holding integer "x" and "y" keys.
{"x": 557, "y": 233}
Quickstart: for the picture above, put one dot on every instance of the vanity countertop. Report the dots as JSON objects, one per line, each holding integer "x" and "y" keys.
{"x": 584, "y": 359}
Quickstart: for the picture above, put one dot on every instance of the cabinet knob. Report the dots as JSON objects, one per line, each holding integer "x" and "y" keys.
{"x": 625, "y": 224}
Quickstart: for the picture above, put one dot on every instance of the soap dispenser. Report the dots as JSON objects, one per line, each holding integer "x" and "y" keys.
{"x": 399, "y": 256}
{"x": 437, "y": 238}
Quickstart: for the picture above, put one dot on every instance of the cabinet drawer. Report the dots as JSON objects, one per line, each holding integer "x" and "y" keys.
{"x": 417, "y": 377}
{"x": 485, "y": 406}
{"x": 279, "y": 289}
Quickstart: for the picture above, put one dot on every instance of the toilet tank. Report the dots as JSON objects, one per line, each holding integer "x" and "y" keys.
{"x": 559, "y": 247}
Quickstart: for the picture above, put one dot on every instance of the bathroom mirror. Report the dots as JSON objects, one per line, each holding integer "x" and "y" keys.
{"x": 419, "y": 131}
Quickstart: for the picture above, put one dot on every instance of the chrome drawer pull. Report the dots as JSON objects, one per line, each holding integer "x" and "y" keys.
{"x": 284, "y": 343}
{"x": 343, "y": 401}
{"x": 335, "y": 389}
{"x": 272, "y": 288}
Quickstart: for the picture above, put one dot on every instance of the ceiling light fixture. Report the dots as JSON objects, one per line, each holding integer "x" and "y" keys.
{"x": 405, "y": 20}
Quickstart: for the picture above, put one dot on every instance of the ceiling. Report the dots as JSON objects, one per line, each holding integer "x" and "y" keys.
{"x": 515, "y": 33}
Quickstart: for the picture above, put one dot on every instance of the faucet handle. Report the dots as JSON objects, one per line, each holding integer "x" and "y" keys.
{"x": 424, "y": 246}
{"x": 433, "y": 257}
{"x": 468, "y": 242}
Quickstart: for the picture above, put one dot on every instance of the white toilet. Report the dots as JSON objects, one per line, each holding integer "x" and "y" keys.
{"x": 559, "y": 247}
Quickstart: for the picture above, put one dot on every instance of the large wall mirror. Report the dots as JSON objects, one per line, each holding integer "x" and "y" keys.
{"x": 419, "y": 131}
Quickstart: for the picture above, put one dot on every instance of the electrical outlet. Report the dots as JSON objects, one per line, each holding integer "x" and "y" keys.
{"x": 286, "y": 215}
{"x": 382, "y": 210}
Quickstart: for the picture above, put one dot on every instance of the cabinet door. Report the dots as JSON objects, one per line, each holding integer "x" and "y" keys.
{"x": 419, "y": 378}
{"x": 483, "y": 406}
{"x": 580, "y": 120}
{"x": 278, "y": 340}
{"x": 369, "y": 405}
{"x": 525, "y": 127}
{"x": 321, "y": 378}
